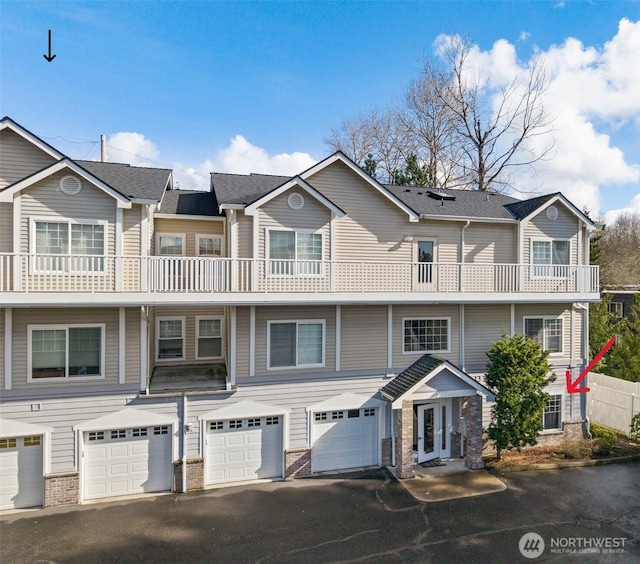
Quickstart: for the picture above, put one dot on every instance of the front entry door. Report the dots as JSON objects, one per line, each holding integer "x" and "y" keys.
{"x": 429, "y": 437}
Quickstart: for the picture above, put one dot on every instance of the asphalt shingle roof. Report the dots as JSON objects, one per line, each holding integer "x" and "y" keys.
{"x": 189, "y": 202}
{"x": 408, "y": 378}
{"x": 244, "y": 188}
{"x": 523, "y": 208}
{"x": 132, "y": 181}
{"x": 461, "y": 203}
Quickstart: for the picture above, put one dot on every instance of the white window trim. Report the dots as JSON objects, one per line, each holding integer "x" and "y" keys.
{"x": 267, "y": 252}
{"x": 69, "y": 221}
{"x": 555, "y": 392}
{"x": 66, "y": 327}
{"x": 549, "y": 240}
{"x": 447, "y": 350}
{"x": 426, "y": 239}
{"x": 543, "y": 317}
{"x": 297, "y": 322}
{"x": 157, "y": 338}
{"x": 219, "y": 237}
{"x": 163, "y": 234}
{"x": 207, "y": 317}
{"x": 619, "y": 309}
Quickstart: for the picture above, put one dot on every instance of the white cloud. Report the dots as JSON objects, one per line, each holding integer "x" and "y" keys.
{"x": 241, "y": 157}
{"x": 632, "y": 208}
{"x": 524, "y": 35}
{"x": 593, "y": 95}
{"x": 132, "y": 148}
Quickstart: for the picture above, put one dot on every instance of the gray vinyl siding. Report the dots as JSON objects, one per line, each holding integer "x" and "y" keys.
{"x": 363, "y": 332}
{"x": 132, "y": 345}
{"x": 22, "y": 318}
{"x": 299, "y": 313}
{"x": 276, "y": 214}
{"x": 565, "y": 227}
{"x": 484, "y": 325}
{"x": 19, "y": 158}
{"x": 44, "y": 199}
{"x": 191, "y": 229}
{"x": 131, "y": 231}
{"x": 189, "y": 314}
{"x": 402, "y": 359}
{"x": 2, "y": 374}
{"x": 6, "y": 228}
{"x": 374, "y": 226}
{"x": 551, "y": 310}
{"x": 490, "y": 243}
{"x": 243, "y": 316}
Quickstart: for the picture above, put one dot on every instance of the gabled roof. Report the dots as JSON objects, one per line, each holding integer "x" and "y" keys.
{"x": 135, "y": 182}
{"x": 243, "y": 189}
{"x": 242, "y": 409}
{"x": 189, "y": 202}
{"x": 525, "y": 209}
{"x": 295, "y": 181}
{"x": 435, "y": 203}
{"x": 7, "y": 123}
{"x": 6, "y": 194}
{"x": 420, "y": 372}
{"x": 127, "y": 417}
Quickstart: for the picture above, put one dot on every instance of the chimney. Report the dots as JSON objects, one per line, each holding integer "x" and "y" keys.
{"x": 103, "y": 149}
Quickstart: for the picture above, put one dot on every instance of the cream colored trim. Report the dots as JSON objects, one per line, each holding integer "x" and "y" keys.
{"x": 144, "y": 349}
{"x": 338, "y": 336}
{"x": 232, "y": 347}
{"x": 122, "y": 340}
{"x": 252, "y": 341}
{"x": 8, "y": 356}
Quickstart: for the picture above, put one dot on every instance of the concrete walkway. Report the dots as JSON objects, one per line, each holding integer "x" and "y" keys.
{"x": 450, "y": 480}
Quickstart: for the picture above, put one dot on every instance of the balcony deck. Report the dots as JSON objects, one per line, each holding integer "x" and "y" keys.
{"x": 150, "y": 280}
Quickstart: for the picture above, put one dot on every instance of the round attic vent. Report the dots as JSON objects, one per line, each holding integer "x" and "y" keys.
{"x": 70, "y": 185}
{"x": 552, "y": 212}
{"x": 295, "y": 201}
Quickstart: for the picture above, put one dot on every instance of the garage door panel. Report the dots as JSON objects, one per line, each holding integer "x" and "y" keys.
{"x": 344, "y": 442}
{"x": 21, "y": 479}
{"x": 243, "y": 452}
{"x": 134, "y": 461}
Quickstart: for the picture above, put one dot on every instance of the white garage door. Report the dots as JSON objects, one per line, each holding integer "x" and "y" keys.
{"x": 127, "y": 461}
{"x": 21, "y": 480}
{"x": 344, "y": 439}
{"x": 244, "y": 449}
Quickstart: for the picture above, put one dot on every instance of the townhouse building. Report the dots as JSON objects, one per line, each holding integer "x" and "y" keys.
{"x": 154, "y": 339}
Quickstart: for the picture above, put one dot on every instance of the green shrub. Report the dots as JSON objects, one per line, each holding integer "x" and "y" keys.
{"x": 607, "y": 435}
{"x": 635, "y": 428}
{"x": 577, "y": 449}
{"x": 601, "y": 447}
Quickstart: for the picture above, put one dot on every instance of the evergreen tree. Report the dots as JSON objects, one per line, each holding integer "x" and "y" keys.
{"x": 624, "y": 358}
{"x": 517, "y": 372}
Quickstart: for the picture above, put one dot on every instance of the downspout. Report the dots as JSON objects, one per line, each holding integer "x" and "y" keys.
{"x": 184, "y": 443}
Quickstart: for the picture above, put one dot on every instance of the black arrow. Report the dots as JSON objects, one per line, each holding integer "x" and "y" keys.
{"x": 49, "y": 57}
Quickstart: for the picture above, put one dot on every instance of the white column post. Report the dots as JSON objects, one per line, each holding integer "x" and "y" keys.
{"x": 231, "y": 364}
{"x": 144, "y": 349}
{"x": 338, "y": 335}
{"x": 252, "y": 341}
{"x": 389, "y": 337}
{"x": 119, "y": 250}
{"x": 122, "y": 339}
{"x": 8, "y": 338}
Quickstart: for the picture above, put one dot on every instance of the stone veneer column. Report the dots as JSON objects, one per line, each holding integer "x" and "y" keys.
{"x": 404, "y": 438}
{"x": 472, "y": 413}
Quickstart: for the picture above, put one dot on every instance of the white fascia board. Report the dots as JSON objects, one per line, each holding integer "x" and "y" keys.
{"x": 11, "y": 428}
{"x": 345, "y": 401}
{"x": 244, "y": 409}
{"x": 432, "y": 217}
{"x": 295, "y": 181}
{"x": 338, "y": 156}
{"x": 191, "y": 217}
{"x": 126, "y": 418}
{"x": 31, "y": 138}
{"x": 7, "y": 194}
{"x": 573, "y": 209}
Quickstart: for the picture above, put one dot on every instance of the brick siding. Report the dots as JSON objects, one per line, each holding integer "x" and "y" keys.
{"x": 297, "y": 462}
{"x": 61, "y": 489}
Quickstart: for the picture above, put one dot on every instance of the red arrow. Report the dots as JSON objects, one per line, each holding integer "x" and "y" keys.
{"x": 572, "y": 387}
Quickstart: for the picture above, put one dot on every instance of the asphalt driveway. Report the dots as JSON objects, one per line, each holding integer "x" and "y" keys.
{"x": 364, "y": 517}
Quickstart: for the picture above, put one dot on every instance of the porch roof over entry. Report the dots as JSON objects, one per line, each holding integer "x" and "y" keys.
{"x": 432, "y": 377}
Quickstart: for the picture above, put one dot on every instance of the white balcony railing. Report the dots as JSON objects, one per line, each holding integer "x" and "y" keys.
{"x": 55, "y": 273}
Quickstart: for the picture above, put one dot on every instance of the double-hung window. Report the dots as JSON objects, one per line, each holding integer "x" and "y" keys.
{"x": 295, "y": 252}
{"x": 208, "y": 337}
{"x": 72, "y": 351}
{"x": 546, "y": 331}
{"x": 170, "y": 338}
{"x": 296, "y": 344}
{"x": 65, "y": 246}
{"x": 552, "y": 415}
{"x": 209, "y": 245}
{"x": 426, "y": 335}
{"x": 170, "y": 245}
{"x": 550, "y": 259}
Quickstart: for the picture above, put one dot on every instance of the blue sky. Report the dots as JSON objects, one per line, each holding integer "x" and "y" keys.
{"x": 240, "y": 86}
